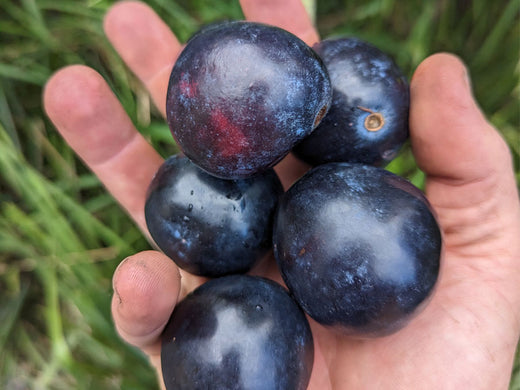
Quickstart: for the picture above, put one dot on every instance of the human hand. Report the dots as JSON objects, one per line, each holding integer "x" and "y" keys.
{"x": 466, "y": 336}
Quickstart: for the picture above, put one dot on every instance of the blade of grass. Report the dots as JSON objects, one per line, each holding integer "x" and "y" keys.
{"x": 182, "y": 23}
{"x": 37, "y": 23}
{"x": 493, "y": 42}
{"x": 418, "y": 43}
{"x": 45, "y": 197}
{"x": 59, "y": 354}
{"x": 12, "y": 302}
{"x": 37, "y": 75}
{"x": 6, "y": 118}
{"x": 92, "y": 11}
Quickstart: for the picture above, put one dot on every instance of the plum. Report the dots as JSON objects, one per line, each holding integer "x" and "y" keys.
{"x": 207, "y": 225}
{"x": 368, "y": 119}
{"x": 242, "y": 94}
{"x": 237, "y": 332}
{"x": 358, "y": 247}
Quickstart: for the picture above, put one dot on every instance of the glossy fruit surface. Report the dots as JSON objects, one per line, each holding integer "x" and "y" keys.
{"x": 358, "y": 246}
{"x": 368, "y": 119}
{"x": 237, "y": 332}
{"x": 241, "y": 94}
{"x": 211, "y": 226}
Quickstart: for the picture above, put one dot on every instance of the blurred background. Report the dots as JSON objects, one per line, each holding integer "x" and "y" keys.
{"x": 62, "y": 235}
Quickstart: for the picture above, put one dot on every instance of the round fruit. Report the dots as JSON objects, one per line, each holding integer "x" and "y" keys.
{"x": 211, "y": 226}
{"x": 368, "y": 119}
{"x": 358, "y": 247}
{"x": 242, "y": 94}
{"x": 237, "y": 332}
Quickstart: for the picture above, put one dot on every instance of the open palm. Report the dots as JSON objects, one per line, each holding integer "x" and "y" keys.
{"x": 464, "y": 339}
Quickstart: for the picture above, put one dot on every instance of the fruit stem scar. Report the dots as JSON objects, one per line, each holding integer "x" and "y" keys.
{"x": 373, "y": 122}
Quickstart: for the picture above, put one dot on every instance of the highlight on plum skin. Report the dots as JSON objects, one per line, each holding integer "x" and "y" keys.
{"x": 210, "y": 226}
{"x": 237, "y": 332}
{"x": 242, "y": 94}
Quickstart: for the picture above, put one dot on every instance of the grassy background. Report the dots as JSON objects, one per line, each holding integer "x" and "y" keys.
{"x": 62, "y": 235}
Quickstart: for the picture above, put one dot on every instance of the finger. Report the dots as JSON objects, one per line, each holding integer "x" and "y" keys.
{"x": 451, "y": 139}
{"x": 93, "y": 122}
{"x": 146, "y": 289}
{"x": 145, "y": 43}
{"x": 288, "y": 14}
{"x": 469, "y": 171}
{"x": 450, "y": 136}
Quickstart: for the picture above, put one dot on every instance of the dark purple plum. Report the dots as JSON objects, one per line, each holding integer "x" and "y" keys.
{"x": 237, "y": 332}
{"x": 358, "y": 247}
{"x": 368, "y": 118}
{"x": 210, "y": 226}
{"x": 242, "y": 94}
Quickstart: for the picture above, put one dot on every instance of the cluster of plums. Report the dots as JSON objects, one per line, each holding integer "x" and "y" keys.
{"x": 357, "y": 246}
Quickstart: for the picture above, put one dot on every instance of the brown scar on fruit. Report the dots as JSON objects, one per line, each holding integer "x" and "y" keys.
{"x": 301, "y": 252}
{"x": 320, "y": 115}
{"x": 375, "y": 121}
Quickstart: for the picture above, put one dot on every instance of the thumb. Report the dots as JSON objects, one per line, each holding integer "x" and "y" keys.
{"x": 470, "y": 177}
{"x": 451, "y": 138}
{"x": 146, "y": 287}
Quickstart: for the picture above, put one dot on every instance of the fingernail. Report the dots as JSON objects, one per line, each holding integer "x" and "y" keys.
{"x": 114, "y": 278}
{"x": 116, "y": 293}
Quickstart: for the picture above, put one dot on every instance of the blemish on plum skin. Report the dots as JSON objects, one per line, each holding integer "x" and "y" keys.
{"x": 232, "y": 140}
{"x": 373, "y": 122}
{"x": 320, "y": 115}
{"x": 187, "y": 88}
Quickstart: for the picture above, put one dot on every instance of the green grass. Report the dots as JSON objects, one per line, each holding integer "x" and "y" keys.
{"x": 62, "y": 235}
